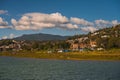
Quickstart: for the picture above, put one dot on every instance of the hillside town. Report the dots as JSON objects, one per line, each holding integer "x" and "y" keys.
{"x": 98, "y": 40}
{"x": 13, "y": 45}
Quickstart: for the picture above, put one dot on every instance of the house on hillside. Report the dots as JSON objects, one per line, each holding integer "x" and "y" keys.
{"x": 93, "y": 44}
{"x": 13, "y": 46}
{"x": 105, "y": 36}
{"x": 78, "y": 46}
{"x": 5, "y": 48}
{"x": 83, "y": 45}
{"x": 74, "y": 46}
{"x": 95, "y": 33}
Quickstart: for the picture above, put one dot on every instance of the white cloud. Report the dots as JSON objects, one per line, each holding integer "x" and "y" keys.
{"x": 88, "y": 29}
{"x": 36, "y": 21}
{"x": 3, "y": 24}
{"x": 115, "y": 22}
{"x": 104, "y": 23}
{"x": 19, "y": 25}
{"x": 49, "y": 18}
{"x": 11, "y": 35}
{"x": 69, "y": 26}
{"x": 3, "y": 12}
{"x": 80, "y": 21}
{"x": 30, "y": 25}
{"x": 14, "y": 22}
{"x": 4, "y": 37}
{"x": 100, "y": 21}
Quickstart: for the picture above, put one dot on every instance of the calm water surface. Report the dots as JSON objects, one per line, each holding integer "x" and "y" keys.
{"x": 39, "y": 69}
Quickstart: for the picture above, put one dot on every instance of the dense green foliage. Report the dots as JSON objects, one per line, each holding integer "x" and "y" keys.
{"x": 5, "y": 42}
{"x": 45, "y": 45}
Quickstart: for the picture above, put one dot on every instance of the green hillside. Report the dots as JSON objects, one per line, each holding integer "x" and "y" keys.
{"x": 106, "y": 38}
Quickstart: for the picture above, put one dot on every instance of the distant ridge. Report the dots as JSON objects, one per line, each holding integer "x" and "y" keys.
{"x": 41, "y": 37}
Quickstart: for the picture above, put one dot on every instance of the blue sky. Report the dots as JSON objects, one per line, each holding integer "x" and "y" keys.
{"x": 61, "y": 17}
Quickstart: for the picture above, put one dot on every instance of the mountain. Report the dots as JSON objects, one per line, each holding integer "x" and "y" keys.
{"x": 41, "y": 37}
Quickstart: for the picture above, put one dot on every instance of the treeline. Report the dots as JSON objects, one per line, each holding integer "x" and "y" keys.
{"x": 36, "y": 45}
{"x": 108, "y": 43}
{"x": 6, "y": 42}
{"x": 45, "y": 45}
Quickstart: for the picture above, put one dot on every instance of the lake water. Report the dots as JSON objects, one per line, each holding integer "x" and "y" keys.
{"x": 12, "y": 68}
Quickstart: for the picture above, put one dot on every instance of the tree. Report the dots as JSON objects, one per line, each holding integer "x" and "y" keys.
{"x": 113, "y": 43}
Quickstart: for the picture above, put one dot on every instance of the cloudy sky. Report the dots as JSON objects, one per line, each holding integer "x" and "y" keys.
{"x": 60, "y": 17}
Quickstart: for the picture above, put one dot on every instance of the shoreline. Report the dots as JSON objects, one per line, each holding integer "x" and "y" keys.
{"x": 69, "y": 59}
{"x": 112, "y": 55}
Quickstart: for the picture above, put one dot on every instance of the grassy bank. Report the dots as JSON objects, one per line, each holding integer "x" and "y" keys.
{"x": 113, "y": 54}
